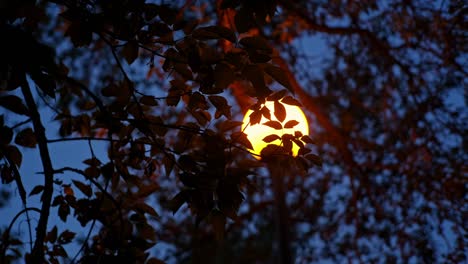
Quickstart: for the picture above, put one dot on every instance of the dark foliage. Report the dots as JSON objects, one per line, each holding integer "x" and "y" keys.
{"x": 381, "y": 179}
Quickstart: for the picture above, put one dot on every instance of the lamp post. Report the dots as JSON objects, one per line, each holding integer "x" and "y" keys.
{"x": 260, "y": 136}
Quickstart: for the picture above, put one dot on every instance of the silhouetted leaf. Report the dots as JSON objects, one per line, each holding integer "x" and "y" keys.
{"x": 307, "y": 139}
{"x": 63, "y": 211}
{"x": 92, "y": 172}
{"x": 52, "y": 235}
{"x": 79, "y": 33}
{"x": 148, "y": 189}
{"x": 316, "y": 160}
{"x": 219, "y": 221}
{"x": 26, "y": 138}
{"x": 36, "y": 190}
{"x": 266, "y": 112}
{"x": 130, "y": 51}
{"x": 145, "y": 208}
{"x": 304, "y": 150}
{"x": 46, "y": 83}
{"x": 177, "y": 201}
{"x": 66, "y": 237}
{"x": 299, "y": 143}
{"x": 279, "y": 75}
{"x": 214, "y": 32}
{"x": 92, "y": 162}
{"x": 255, "y": 117}
{"x": 287, "y": 144}
{"x": 158, "y": 28}
{"x": 6, "y": 173}
{"x": 59, "y": 251}
{"x": 13, "y": 153}
{"x": 155, "y": 261}
{"x": 291, "y": 101}
{"x": 258, "y": 56}
{"x": 223, "y": 75}
{"x": 280, "y": 111}
{"x": 273, "y": 124}
{"x": 6, "y": 134}
{"x": 150, "y": 11}
{"x": 255, "y": 75}
{"x": 197, "y": 101}
{"x": 148, "y": 100}
{"x": 241, "y": 138}
{"x": 229, "y": 125}
{"x": 168, "y": 14}
{"x": 271, "y": 150}
{"x": 168, "y": 161}
{"x": 202, "y": 117}
{"x": 271, "y": 138}
{"x": 183, "y": 70}
{"x": 277, "y": 95}
{"x": 221, "y": 105}
{"x": 244, "y": 20}
{"x": 291, "y": 124}
{"x": 256, "y": 42}
{"x": 14, "y": 104}
{"x": 84, "y": 188}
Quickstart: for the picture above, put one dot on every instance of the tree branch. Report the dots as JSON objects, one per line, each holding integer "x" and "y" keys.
{"x": 6, "y": 235}
{"x": 37, "y": 254}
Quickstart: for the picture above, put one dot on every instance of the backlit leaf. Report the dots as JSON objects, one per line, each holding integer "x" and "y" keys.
{"x": 255, "y": 117}
{"x": 280, "y": 111}
{"x": 273, "y": 124}
{"x": 271, "y": 138}
{"x": 291, "y": 124}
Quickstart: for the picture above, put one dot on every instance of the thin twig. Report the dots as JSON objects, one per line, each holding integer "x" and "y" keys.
{"x": 6, "y": 235}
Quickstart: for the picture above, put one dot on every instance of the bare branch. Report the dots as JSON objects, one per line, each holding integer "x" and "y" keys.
{"x": 37, "y": 254}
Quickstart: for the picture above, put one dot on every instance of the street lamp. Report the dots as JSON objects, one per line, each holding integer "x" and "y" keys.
{"x": 293, "y": 120}
{"x": 257, "y": 132}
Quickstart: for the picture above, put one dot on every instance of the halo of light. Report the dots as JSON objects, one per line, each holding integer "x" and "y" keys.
{"x": 256, "y": 133}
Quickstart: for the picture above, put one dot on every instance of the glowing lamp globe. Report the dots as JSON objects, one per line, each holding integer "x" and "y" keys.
{"x": 257, "y": 132}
